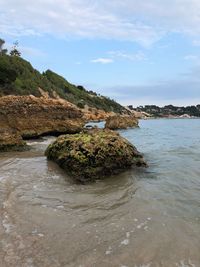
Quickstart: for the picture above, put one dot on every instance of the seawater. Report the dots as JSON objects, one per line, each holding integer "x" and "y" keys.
{"x": 141, "y": 218}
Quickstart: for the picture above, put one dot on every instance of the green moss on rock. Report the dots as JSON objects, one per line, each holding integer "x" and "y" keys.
{"x": 14, "y": 147}
{"x": 93, "y": 154}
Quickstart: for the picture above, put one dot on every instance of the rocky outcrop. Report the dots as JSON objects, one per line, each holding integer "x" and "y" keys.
{"x": 138, "y": 114}
{"x": 29, "y": 116}
{"x": 121, "y": 122}
{"x": 93, "y": 154}
{"x": 11, "y": 140}
{"x": 93, "y": 114}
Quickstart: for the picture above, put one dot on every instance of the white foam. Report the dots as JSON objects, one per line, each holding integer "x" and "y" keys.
{"x": 127, "y": 234}
{"x": 40, "y": 235}
{"x": 108, "y": 252}
{"x": 60, "y": 207}
{"x": 143, "y": 265}
{"x": 183, "y": 264}
{"x": 7, "y": 226}
{"x": 125, "y": 242}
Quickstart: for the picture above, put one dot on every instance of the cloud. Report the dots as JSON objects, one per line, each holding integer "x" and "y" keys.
{"x": 193, "y": 58}
{"x": 144, "y": 22}
{"x": 182, "y": 91}
{"x": 162, "y": 93}
{"x": 171, "y": 15}
{"x": 102, "y": 60}
{"x": 138, "y": 56}
{"x": 196, "y": 42}
{"x": 72, "y": 18}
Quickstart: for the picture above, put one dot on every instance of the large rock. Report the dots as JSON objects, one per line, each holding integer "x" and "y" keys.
{"x": 11, "y": 140}
{"x": 29, "y": 116}
{"x": 93, "y": 154}
{"x": 121, "y": 122}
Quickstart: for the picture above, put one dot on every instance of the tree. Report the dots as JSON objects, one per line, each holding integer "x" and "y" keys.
{"x": 7, "y": 72}
{"x": 15, "y": 52}
{"x": 2, "y": 42}
{"x": 2, "y": 51}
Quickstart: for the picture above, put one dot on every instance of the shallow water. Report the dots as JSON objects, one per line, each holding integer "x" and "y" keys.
{"x": 140, "y": 218}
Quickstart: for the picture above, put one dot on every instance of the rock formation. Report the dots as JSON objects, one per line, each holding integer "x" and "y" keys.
{"x": 11, "y": 140}
{"x": 93, "y": 154}
{"x": 121, "y": 122}
{"x": 29, "y": 116}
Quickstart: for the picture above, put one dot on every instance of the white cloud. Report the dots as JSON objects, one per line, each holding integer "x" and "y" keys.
{"x": 191, "y": 57}
{"x": 144, "y": 22}
{"x": 138, "y": 56}
{"x": 80, "y": 18}
{"x": 102, "y": 60}
{"x": 184, "y": 92}
{"x": 196, "y": 42}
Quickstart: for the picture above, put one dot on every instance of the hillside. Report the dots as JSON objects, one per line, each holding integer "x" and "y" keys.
{"x": 169, "y": 110}
{"x": 18, "y": 77}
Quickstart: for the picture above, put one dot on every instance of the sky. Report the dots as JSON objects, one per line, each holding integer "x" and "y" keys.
{"x": 135, "y": 52}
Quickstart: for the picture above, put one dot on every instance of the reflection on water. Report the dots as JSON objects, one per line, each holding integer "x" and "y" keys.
{"x": 143, "y": 218}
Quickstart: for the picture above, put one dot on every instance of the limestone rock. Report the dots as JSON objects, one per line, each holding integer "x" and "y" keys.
{"x": 30, "y": 116}
{"x": 11, "y": 140}
{"x": 93, "y": 154}
{"x": 121, "y": 122}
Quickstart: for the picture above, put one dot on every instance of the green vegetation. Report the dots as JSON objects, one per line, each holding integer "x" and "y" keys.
{"x": 18, "y": 77}
{"x": 169, "y": 110}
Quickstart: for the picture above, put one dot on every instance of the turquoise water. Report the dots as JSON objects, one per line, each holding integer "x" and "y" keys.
{"x": 140, "y": 218}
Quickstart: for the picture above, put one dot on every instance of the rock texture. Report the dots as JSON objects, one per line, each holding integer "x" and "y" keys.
{"x": 121, "y": 122}
{"x": 11, "y": 140}
{"x": 29, "y": 116}
{"x": 94, "y": 154}
{"x": 93, "y": 114}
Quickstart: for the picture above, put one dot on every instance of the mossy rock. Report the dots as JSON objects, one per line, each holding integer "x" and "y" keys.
{"x": 14, "y": 147}
{"x": 93, "y": 154}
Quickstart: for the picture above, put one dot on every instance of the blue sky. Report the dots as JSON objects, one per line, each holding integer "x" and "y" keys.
{"x": 136, "y": 52}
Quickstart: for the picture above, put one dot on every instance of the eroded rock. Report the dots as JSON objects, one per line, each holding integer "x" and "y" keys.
{"x": 93, "y": 154}
{"x": 29, "y": 116}
{"x": 121, "y": 122}
{"x": 11, "y": 140}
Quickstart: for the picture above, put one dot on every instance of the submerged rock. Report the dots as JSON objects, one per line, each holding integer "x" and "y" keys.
{"x": 93, "y": 154}
{"x": 121, "y": 122}
{"x": 29, "y": 116}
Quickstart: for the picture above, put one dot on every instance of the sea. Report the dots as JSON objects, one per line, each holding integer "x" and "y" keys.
{"x": 143, "y": 217}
